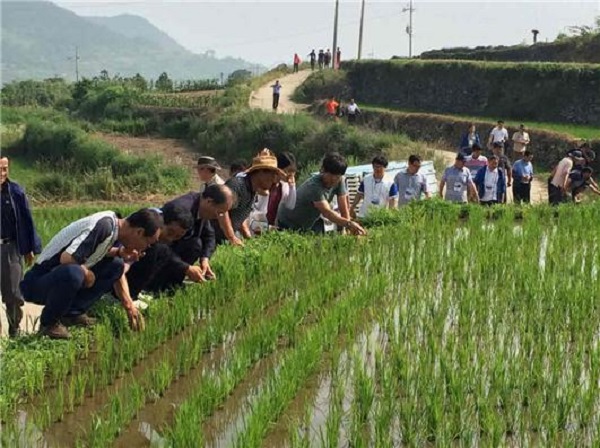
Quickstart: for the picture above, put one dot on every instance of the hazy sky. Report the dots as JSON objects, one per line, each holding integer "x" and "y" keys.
{"x": 270, "y": 32}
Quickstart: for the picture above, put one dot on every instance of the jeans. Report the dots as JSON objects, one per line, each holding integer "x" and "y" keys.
{"x": 62, "y": 291}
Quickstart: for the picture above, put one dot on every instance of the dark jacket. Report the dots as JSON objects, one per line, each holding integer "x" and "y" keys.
{"x": 202, "y": 231}
{"x": 27, "y": 238}
{"x": 480, "y": 183}
{"x": 464, "y": 143}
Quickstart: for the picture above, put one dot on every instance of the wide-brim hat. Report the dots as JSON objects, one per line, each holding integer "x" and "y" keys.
{"x": 209, "y": 162}
{"x": 266, "y": 160}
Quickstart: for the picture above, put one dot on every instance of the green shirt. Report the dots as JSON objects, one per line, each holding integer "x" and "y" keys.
{"x": 305, "y": 214}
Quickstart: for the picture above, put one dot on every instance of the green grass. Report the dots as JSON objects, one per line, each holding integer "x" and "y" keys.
{"x": 572, "y": 130}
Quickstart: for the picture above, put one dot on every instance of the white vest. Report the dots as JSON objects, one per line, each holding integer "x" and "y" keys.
{"x": 376, "y": 194}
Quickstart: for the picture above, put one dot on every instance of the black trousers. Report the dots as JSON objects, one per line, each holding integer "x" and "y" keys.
{"x": 351, "y": 118}
{"x": 11, "y": 274}
{"x": 521, "y": 192}
{"x": 488, "y": 203}
{"x": 275, "y": 101}
{"x": 312, "y": 65}
{"x": 157, "y": 272}
{"x": 295, "y": 68}
{"x": 555, "y": 194}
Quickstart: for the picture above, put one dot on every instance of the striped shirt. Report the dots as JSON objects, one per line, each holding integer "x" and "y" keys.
{"x": 241, "y": 186}
{"x": 87, "y": 240}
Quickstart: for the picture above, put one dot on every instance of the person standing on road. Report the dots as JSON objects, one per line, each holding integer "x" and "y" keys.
{"x": 520, "y": 141}
{"x": 469, "y": 139}
{"x": 19, "y": 241}
{"x": 557, "y": 183}
{"x": 490, "y": 183}
{"x": 276, "y": 91}
{"x": 296, "y": 62}
{"x": 338, "y": 58}
{"x": 458, "y": 182}
{"x": 498, "y": 135}
{"x": 321, "y": 59}
{"x": 81, "y": 263}
{"x": 411, "y": 185}
{"x": 313, "y": 56}
{"x": 327, "y": 58}
{"x": 522, "y": 174}
{"x": 207, "y": 172}
{"x": 353, "y": 111}
{"x": 313, "y": 197}
{"x": 375, "y": 189}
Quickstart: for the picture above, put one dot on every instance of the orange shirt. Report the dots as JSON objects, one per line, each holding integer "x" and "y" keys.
{"x": 332, "y": 107}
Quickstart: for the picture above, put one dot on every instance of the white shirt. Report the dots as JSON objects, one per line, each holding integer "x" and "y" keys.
{"x": 261, "y": 203}
{"x": 376, "y": 194}
{"x": 562, "y": 171}
{"x": 490, "y": 185}
{"x": 499, "y": 135}
{"x": 352, "y": 108}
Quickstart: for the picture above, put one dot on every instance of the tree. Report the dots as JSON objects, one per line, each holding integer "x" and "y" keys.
{"x": 163, "y": 83}
{"x": 239, "y": 76}
{"x": 104, "y": 75}
{"x": 140, "y": 82}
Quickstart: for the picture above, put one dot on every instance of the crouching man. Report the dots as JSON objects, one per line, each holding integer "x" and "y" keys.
{"x": 166, "y": 265}
{"x": 80, "y": 264}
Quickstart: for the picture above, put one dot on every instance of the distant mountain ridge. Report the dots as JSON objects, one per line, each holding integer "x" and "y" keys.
{"x": 39, "y": 40}
{"x": 136, "y": 27}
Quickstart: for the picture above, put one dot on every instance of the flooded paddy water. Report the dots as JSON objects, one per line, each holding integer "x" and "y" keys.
{"x": 428, "y": 333}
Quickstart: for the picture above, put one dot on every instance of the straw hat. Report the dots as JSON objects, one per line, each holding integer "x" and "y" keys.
{"x": 266, "y": 160}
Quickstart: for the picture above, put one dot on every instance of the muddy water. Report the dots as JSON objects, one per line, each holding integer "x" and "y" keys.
{"x": 150, "y": 421}
{"x": 64, "y": 433}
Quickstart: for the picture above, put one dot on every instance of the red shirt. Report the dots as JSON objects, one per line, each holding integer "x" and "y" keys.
{"x": 332, "y": 107}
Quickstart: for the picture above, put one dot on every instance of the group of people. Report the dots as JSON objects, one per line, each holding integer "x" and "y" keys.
{"x": 156, "y": 249}
{"x": 336, "y": 110}
{"x": 489, "y": 177}
{"x": 323, "y": 59}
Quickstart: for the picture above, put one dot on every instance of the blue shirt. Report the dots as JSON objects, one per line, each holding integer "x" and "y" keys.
{"x": 522, "y": 168}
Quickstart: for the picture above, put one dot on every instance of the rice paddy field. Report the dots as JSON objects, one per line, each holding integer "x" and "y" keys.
{"x": 446, "y": 326}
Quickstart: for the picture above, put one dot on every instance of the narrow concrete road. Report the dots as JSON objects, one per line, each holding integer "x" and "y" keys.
{"x": 263, "y": 97}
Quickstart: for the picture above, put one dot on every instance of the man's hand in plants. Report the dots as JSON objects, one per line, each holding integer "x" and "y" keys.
{"x": 355, "y": 228}
{"x": 235, "y": 241}
{"x": 207, "y": 272}
{"x": 88, "y": 277}
{"x": 29, "y": 258}
{"x": 136, "y": 319}
{"x": 195, "y": 274}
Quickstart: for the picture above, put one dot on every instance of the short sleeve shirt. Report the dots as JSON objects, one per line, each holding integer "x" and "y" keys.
{"x": 475, "y": 165}
{"x": 305, "y": 214}
{"x": 411, "y": 187}
{"x": 499, "y": 135}
{"x": 243, "y": 199}
{"x": 457, "y": 181}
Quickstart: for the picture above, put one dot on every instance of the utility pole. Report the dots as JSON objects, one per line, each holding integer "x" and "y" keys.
{"x": 335, "y": 34}
{"x": 409, "y": 28}
{"x": 76, "y": 63}
{"x": 360, "y": 30}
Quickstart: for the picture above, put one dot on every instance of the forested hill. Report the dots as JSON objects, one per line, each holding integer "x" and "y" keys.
{"x": 39, "y": 40}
